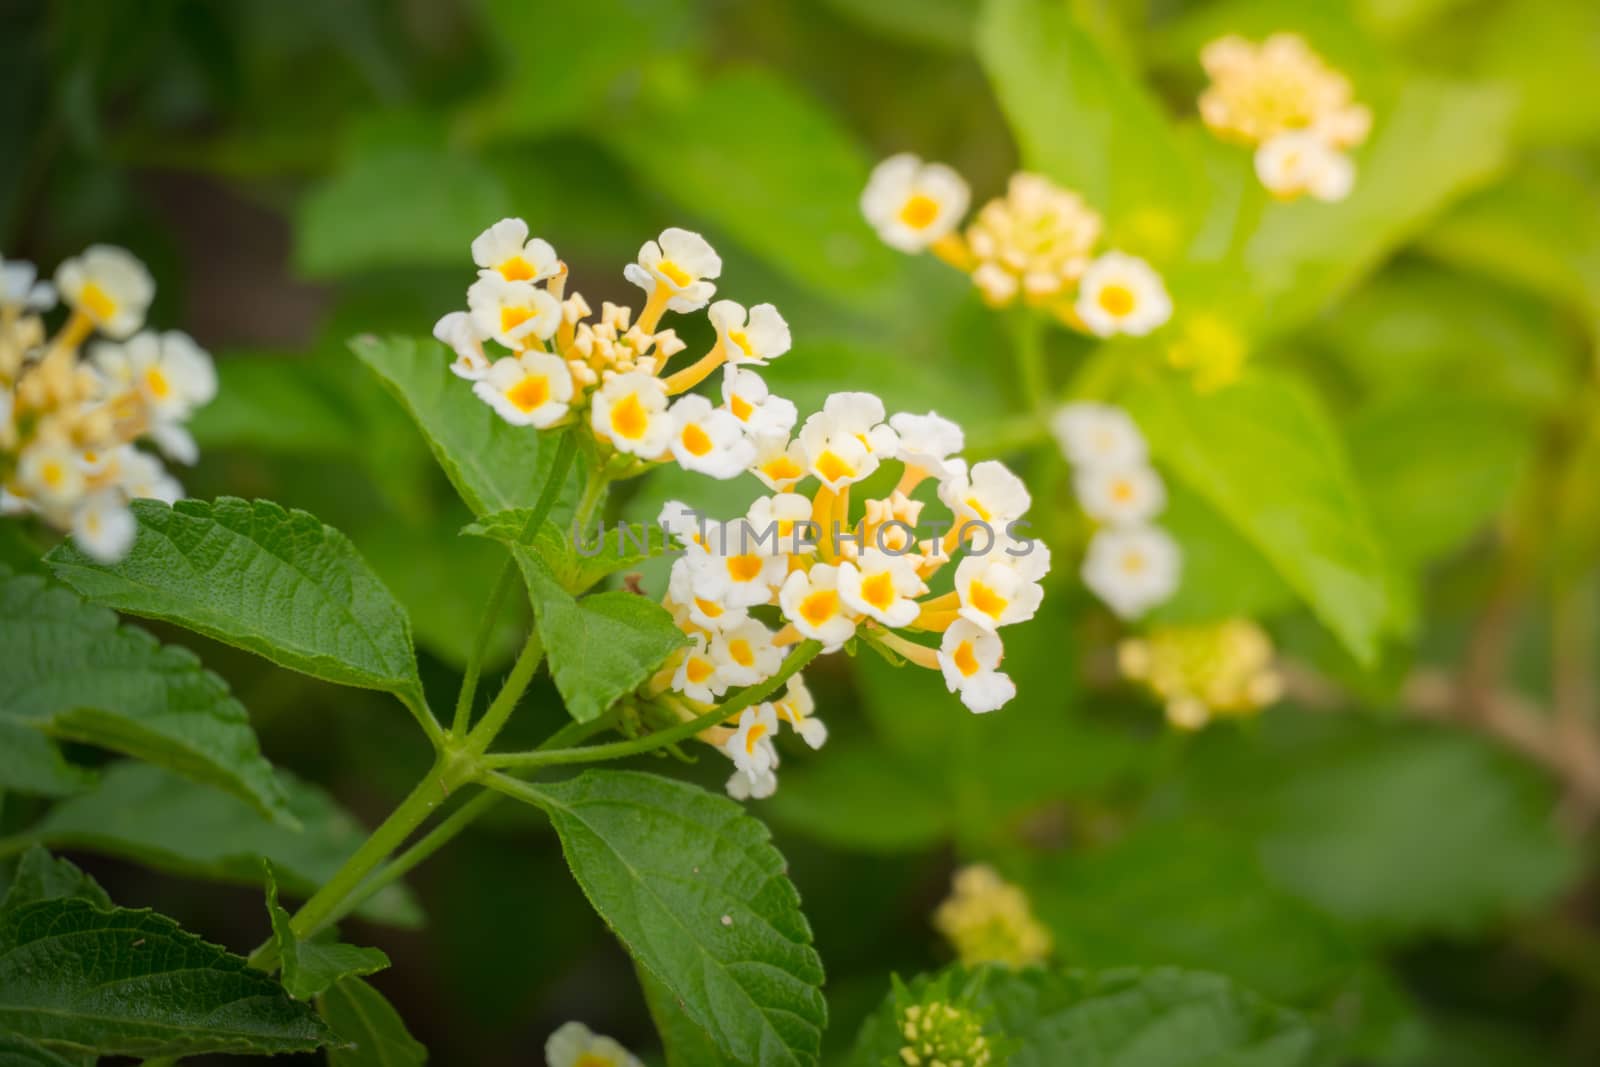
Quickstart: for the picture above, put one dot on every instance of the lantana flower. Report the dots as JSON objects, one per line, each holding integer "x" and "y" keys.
{"x": 109, "y": 288}
{"x": 1035, "y": 242}
{"x": 1132, "y": 568}
{"x": 575, "y": 1045}
{"x": 1206, "y": 671}
{"x": 913, "y": 204}
{"x": 1122, "y": 294}
{"x": 532, "y": 389}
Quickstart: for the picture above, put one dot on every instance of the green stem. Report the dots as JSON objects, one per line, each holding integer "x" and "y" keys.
{"x": 1029, "y": 336}
{"x": 593, "y": 492}
{"x": 507, "y": 581}
{"x": 803, "y": 654}
{"x": 517, "y": 682}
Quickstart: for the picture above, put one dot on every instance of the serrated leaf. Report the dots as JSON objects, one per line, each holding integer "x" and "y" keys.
{"x": 582, "y": 565}
{"x": 20, "y": 1052}
{"x": 372, "y": 1032}
{"x": 261, "y": 577}
{"x": 600, "y": 647}
{"x": 146, "y": 815}
{"x": 493, "y": 465}
{"x": 41, "y": 876}
{"x": 311, "y": 968}
{"x": 694, "y": 889}
{"x": 1118, "y": 1018}
{"x": 683, "y": 1043}
{"x": 133, "y": 983}
{"x": 1082, "y": 119}
{"x": 74, "y": 673}
{"x": 31, "y": 763}
{"x": 1265, "y": 456}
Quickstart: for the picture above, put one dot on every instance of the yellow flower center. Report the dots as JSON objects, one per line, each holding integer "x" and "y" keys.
{"x": 674, "y": 273}
{"x": 53, "y": 474}
{"x": 591, "y": 1059}
{"x": 1122, "y": 491}
{"x": 96, "y": 302}
{"x": 741, "y": 652}
{"x": 742, "y": 409}
{"x": 512, "y": 317}
{"x": 698, "y": 670}
{"x": 157, "y": 383}
{"x": 629, "y": 418}
{"x": 878, "y": 590}
{"x": 820, "y": 606}
{"x": 1133, "y": 563}
{"x": 966, "y": 659}
{"x": 695, "y": 440}
{"x": 742, "y": 339}
{"x": 832, "y": 468}
{"x": 782, "y": 468}
{"x": 919, "y": 211}
{"x": 1117, "y": 299}
{"x": 757, "y": 731}
{"x": 745, "y": 568}
{"x": 978, "y": 509}
{"x": 986, "y": 600}
{"x": 709, "y": 608}
{"x": 530, "y": 393}
{"x": 517, "y": 269}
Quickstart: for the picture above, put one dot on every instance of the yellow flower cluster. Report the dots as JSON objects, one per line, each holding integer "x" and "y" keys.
{"x": 1205, "y": 671}
{"x": 987, "y": 920}
{"x": 1035, "y": 244}
{"x": 940, "y": 1034}
{"x": 68, "y": 424}
{"x": 1297, "y": 112}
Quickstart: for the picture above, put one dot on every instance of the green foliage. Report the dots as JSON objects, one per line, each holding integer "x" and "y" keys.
{"x": 83, "y": 978}
{"x": 616, "y": 547}
{"x": 74, "y": 673}
{"x": 312, "y": 967}
{"x": 696, "y": 892}
{"x": 275, "y": 582}
{"x": 1111, "y": 1018}
{"x": 369, "y": 1029}
{"x": 32, "y": 763}
{"x": 41, "y": 876}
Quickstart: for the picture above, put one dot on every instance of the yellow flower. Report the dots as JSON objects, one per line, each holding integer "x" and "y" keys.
{"x": 1036, "y": 241}
{"x": 988, "y": 920}
{"x": 1278, "y": 86}
{"x": 1205, "y": 671}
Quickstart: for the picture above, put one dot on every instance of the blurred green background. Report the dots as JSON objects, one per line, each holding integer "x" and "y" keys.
{"x": 299, "y": 171}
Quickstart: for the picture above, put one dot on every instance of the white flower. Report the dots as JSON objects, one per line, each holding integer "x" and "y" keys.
{"x": 1121, "y": 495}
{"x": 457, "y": 332}
{"x": 109, "y": 287}
{"x": 141, "y": 476}
{"x": 882, "y": 586}
{"x": 779, "y": 462}
{"x": 50, "y": 475}
{"x": 968, "y": 656}
{"x": 682, "y": 262}
{"x": 998, "y": 588}
{"x": 742, "y": 787}
{"x": 745, "y": 654}
{"x": 811, "y": 600}
{"x": 175, "y": 442}
{"x": 711, "y": 613}
{"x": 687, "y": 525}
{"x": 630, "y": 411}
{"x": 926, "y": 442}
{"x": 744, "y": 568}
{"x": 861, "y": 414}
{"x": 1120, "y": 293}
{"x": 574, "y": 1045}
{"x": 512, "y": 313}
{"x": 761, "y": 414}
{"x": 777, "y": 516}
{"x": 20, "y": 287}
{"x": 1303, "y": 162}
{"x": 1132, "y": 568}
{"x": 697, "y": 677}
{"x": 707, "y": 439}
{"x": 1098, "y": 435}
{"x": 505, "y": 249}
{"x": 750, "y": 747}
{"x": 843, "y": 441}
{"x": 796, "y": 708}
{"x": 103, "y": 527}
{"x": 754, "y": 338}
{"x": 989, "y": 493}
{"x": 533, "y": 389}
{"x": 169, "y": 371}
{"x": 911, "y": 203}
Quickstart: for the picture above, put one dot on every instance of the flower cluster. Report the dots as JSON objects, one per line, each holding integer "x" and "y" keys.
{"x": 987, "y": 920}
{"x": 1132, "y": 564}
{"x": 939, "y": 1032}
{"x": 1204, "y": 672}
{"x": 1297, "y": 112}
{"x": 805, "y": 562}
{"x": 1036, "y": 244}
{"x": 69, "y": 423}
{"x": 575, "y": 1045}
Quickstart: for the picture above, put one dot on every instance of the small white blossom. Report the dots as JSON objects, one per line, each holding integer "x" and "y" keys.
{"x": 170, "y": 372}
{"x": 20, "y": 287}
{"x": 1121, "y": 495}
{"x": 810, "y": 600}
{"x": 755, "y": 337}
{"x": 1302, "y": 162}
{"x": 1132, "y": 569}
{"x": 1098, "y": 435}
{"x": 103, "y": 527}
{"x": 697, "y": 676}
{"x": 927, "y": 442}
{"x": 457, "y": 333}
{"x": 575, "y": 1045}
{"x": 911, "y": 203}
{"x": 745, "y": 654}
{"x": 513, "y": 313}
{"x": 50, "y": 475}
{"x": 989, "y": 493}
{"x": 505, "y": 249}
{"x": 630, "y": 411}
{"x": 968, "y": 657}
{"x": 747, "y": 399}
{"x": 999, "y": 588}
{"x": 708, "y": 440}
{"x": 533, "y": 389}
{"x": 779, "y": 462}
{"x": 750, "y": 747}
{"x": 882, "y": 586}
{"x": 109, "y": 287}
{"x": 1121, "y": 294}
{"x": 797, "y": 708}
{"x": 683, "y": 262}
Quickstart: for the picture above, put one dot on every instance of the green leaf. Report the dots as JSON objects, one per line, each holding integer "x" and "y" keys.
{"x": 825, "y": 799}
{"x": 694, "y": 889}
{"x": 1224, "y": 575}
{"x": 133, "y": 983}
{"x": 74, "y": 673}
{"x": 600, "y": 647}
{"x": 578, "y": 567}
{"x": 684, "y": 1043}
{"x": 20, "y": 1052}
{"x": 367, "y": 1023}
{"x": 146, "y": 815}
{"x": 946, "y": 25}
{"x": 1543, "y": 48}
{"x": 1264, "y": 455}
{"x": 493, "y": 465}
{"x": 41, "y": 876}
{"x": 1117, "y": 1018}
{"x": 32, "y": 763}
{"x": 792, "y": 197}
{"x": 1082, "y": 119}
{"x": 394, "y": 205}
{"x": 260, "y": 577}
{"x": 311, "y": 968}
